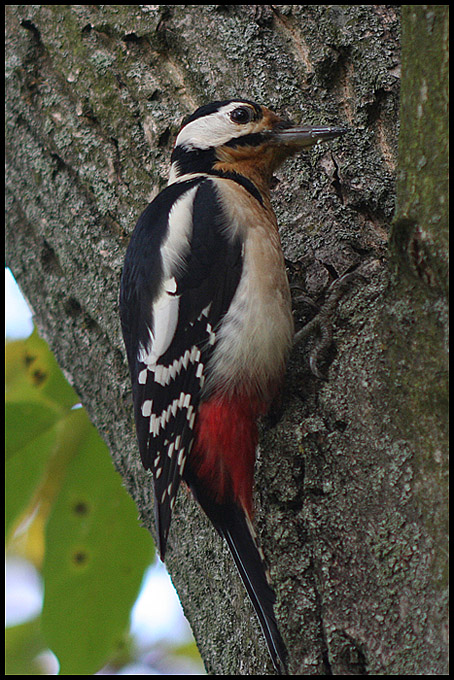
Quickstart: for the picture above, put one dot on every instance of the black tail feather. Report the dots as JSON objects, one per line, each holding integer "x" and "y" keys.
{"x": 231, "y": 522}
{"x": 252, "y": 570}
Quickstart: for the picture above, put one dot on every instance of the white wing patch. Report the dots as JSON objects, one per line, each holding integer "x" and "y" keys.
{"x": 165, "y": 319}
{"x": 166, "y": 306}
{"x": 179, "y": 231}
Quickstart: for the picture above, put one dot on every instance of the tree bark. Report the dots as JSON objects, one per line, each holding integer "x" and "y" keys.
{"x": 350, "y": 482}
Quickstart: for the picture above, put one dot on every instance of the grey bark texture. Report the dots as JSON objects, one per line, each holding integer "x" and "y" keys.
{"x": 351, "y": 479}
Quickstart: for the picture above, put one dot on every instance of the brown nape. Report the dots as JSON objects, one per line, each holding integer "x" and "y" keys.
{"x": 270, "y": 119}
{"x": 256, "y": 162}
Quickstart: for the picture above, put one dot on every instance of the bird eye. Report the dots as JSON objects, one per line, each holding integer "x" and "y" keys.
{"x": 241, "y": 115}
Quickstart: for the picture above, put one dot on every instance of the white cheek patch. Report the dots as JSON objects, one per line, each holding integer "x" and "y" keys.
{"x": 213, "y": 130}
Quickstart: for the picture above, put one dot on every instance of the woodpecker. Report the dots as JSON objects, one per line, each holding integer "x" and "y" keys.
{"x": 207, "y": 322}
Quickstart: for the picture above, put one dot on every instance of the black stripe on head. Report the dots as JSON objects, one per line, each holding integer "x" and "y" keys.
{"x": 188, "y": 162}
{"x": 194, "y": 160}
{"x": 254, "y": 139}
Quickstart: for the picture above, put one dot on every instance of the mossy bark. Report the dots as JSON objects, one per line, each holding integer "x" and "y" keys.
{"x": 351, "y": 480}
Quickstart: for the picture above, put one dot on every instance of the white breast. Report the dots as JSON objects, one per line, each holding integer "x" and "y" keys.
{"x": 256, "y": 334}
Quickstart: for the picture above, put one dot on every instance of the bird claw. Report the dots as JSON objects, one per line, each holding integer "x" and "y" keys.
{"x": 322, "y": 324}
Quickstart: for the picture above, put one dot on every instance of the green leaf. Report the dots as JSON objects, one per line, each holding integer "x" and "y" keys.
{"x": 33, "y": 374}
{"x": 95, "y": 551}
{"x": 25, "y": 421}
{"x": 37, "y": 399}
{"x": 95, "y": 558}
{"x": 22, "y": 645}
{"x": 30, "y": 444}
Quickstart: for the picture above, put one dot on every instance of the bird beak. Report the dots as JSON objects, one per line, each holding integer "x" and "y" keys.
{"x": 306, "y": 135}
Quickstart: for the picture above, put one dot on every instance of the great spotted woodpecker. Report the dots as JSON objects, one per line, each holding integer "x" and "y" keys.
{"x": 207, "y": 323}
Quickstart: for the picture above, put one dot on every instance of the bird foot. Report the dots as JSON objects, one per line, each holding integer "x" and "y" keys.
{"x": 321, "y": 325}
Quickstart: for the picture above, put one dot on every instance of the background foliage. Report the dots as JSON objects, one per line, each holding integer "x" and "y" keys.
{"x": 82, "y": 530}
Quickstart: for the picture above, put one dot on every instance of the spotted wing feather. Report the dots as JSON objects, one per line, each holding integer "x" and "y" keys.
{"x": 169, "y": 353}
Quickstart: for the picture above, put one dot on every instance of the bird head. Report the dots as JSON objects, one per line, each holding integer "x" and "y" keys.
{"x": 241, "y": 137}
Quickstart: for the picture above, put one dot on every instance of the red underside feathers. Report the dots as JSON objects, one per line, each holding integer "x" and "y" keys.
{"x": 224, "y": 449}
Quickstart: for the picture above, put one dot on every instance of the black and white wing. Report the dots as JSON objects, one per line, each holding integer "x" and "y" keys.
{"x": 181, "y": 272}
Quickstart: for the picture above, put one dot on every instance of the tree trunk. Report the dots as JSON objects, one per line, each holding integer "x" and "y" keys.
{"x": 351, "y": 481}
